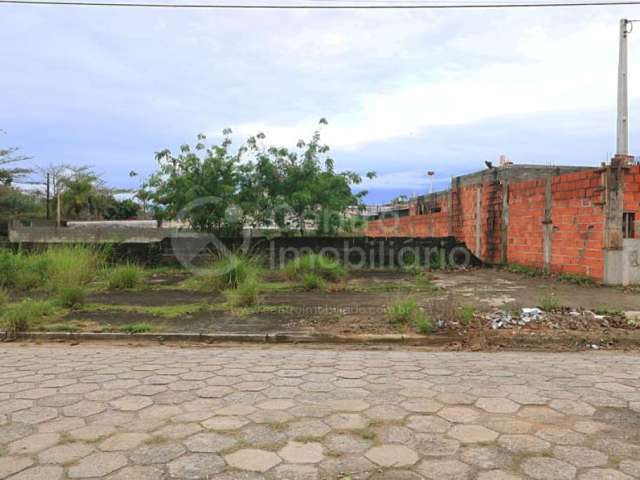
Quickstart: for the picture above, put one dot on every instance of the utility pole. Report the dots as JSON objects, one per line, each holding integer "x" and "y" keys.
{"x": 48, "y": 196}
{"x": 622, "y": 137}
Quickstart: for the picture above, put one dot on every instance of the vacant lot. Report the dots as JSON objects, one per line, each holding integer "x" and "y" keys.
{"x": 460, "y": 307}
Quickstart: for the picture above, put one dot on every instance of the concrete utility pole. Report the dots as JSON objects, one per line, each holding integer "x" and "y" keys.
{"x": 622, "y": 141}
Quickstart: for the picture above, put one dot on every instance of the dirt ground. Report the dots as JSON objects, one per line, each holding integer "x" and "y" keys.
{"x": 359, "y": 305}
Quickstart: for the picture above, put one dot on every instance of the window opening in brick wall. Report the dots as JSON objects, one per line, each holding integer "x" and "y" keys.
{"x": 628, "y": 225}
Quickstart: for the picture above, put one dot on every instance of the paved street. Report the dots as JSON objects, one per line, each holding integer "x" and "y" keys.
{"x": 247, "y": 413}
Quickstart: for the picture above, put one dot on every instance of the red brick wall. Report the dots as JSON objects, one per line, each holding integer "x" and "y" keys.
{"x": 577, "y": 221}
{"x": 632, "y": 194}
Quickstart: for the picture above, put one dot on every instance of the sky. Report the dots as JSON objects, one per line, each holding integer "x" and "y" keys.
{"x": 404, "y": 92}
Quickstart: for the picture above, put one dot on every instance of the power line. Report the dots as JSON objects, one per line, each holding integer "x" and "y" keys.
{"x": 332, "y": 6}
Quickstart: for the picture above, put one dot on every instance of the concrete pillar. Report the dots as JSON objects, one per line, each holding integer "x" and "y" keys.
{"x": 504, "y": 224}
{"x": 547, "y": 225}
{"x": 478, "y": 236}
{"x": 613, "y": 184}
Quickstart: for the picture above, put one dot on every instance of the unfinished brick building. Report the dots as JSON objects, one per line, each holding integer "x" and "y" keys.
{"x": 578, "y": 220}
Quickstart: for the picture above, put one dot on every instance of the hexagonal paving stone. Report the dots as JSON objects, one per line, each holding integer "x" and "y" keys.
{"x": 486, "y": 457}
{"x": 33, "y": 443}
{"x": 604, "y": 474}
{"x": 48, "y": 472}
{"x": 444, "y": 470}
{"x": 498, "y": 475}
{"x": 346, "y": 421}
{"x": 137, "y": 472}
{"x": 459, "y": 414}
{"x": 386, "y": 413}
{"x": 523, "y": 444}
{"x": 97, "y": 465}
{"x": 472, "y": 434}
{"x": 572, "y": 407}
{"x": 131, "y": 403}
{"x": 294, "y": 472}
{"x": 543, "y": 468}
{"x": 156, "y": 453}
{"x": 253, "y": 460}
{"x": 631, "y": 467}
{"x": 428, "y": 424}
{"x": 210, "y": 442}
{"x": 195, "y": 466}
{"x": 580, "y": 456}
{"x": 124, "y": 441}
{"x": 298, "y": 452}
{"x": 11, "y": 465}
{"x": 68, "y": 452}
{"x": 392, "y": 455}
{"x": 225, "y": 423}
{"x": 497, "y": 405}
{"x": 435, "y": 445}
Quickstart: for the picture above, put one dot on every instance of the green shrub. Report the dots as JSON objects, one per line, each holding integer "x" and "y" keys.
{"x": 71, "y": 297}
{"x": 576, "y": 279}
{"x": 423, "y": 324}
{"x": 71, "y": 265}
{"x": 466, "y": 313}
{"x": 50, "y": 269}
{"x": 4, "y": 297}
{"x": 403, "y": 310}
{"x": 313, "y": 263}
{"x": 245, "y": 294}
{"x": 311, "y": 281}
{"x": 424, "y": 282}
{"x": 140, "y": 327}
{"x": 125, "y": 277}
{"x": 22, "y": 316}
{"x": 549, "y": 303}
{"x": 232, "y": 270}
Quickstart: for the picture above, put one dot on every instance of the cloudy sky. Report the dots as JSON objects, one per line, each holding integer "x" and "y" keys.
{"x": 404, "y": 91}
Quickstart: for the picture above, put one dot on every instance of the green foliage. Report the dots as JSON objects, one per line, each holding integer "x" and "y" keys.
{"x": 312, "y": 281}
{"x": 466, "y": 313}
{"x": 122, "y": 209}
{"x": 71, "y": 296}
{"x": 51, "y": 269}
{"x": 403, "y": 310}
{"x": 233, "y": 270}
{"x": 576, "y": 279}
{"x": 610, "y": 311}
{"x": 215, "y": 189}
{"x": 125, "y": 277}
{"x": 22, "y": 316}
{"x": 313, "y": 263}
{"x": 550, "y": 302}
{"x": 139, "y": 327}
{"x": 424, "y": 324}
{"x": 524, "y": 270}
{"x": 245, "y": 294}
{"x": 4, "y": 297}
{"x": 425, "y": 282}
{"x": 632, "y": 322}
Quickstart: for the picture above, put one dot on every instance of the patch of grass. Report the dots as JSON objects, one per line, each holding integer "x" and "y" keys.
{"x": 71, "y": 297}
{"x": 632, "y": 322}
{"x": 311, "y": 281}
{"x": 610, "y": 311}
{"x": 50, "y": 269}
{"x": 125, "y": 277}
{"x": 245, "y": 294}
{"x": 524, "y": 270}
{"x": 62, "y": 327}
{"x": 139, "y": 327}
{"x": 576, "y": 279}
{"x": 4, "y": 297}
{"x": 23, "y": 316}
{"x": 165, "y": 311}
{"x": 402, "y": 310}
{"x": 235, "y": 269}
{"x": 313, "y": 263}
{"x": 550, "y": 302}
{"x": 466, "y": 314}
{"x": 424, "y": 282}
{"x": 423, "y": 324}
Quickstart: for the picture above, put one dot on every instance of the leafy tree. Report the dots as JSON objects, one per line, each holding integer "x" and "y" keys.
{"x": 122, "y": 209}
{"x": 198, "y": 185}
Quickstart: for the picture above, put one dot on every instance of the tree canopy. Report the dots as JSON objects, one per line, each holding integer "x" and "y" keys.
{"x": 217, "y": 189}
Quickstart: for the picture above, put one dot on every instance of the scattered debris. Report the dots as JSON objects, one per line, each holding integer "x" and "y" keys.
{"x": 530, "y": 314}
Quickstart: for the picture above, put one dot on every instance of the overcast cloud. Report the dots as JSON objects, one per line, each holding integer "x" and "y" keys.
{"x": 404, "y": 91}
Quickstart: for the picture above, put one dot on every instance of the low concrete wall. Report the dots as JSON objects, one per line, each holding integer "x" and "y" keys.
{"x": 365, "y": 252}
{"x": 85, "y": 234}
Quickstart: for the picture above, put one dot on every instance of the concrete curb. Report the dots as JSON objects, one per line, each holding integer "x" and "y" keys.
{"x": 210, "y": 338}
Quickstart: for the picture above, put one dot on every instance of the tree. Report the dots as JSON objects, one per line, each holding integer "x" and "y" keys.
{"x": 8, "y": 172}
{"x": 303, "y": 185}
{"x": 122, "y": 209}
{"x": 197, "y": 185}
